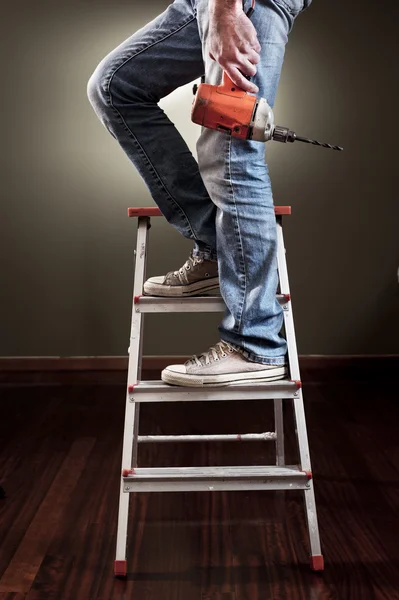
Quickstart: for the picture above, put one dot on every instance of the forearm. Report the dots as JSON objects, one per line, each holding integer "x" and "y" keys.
{"x": 233, "y": 42}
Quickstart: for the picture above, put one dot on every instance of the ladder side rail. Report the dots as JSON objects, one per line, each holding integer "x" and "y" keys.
{"x": 144, "y": 224}
{"x": 130, "y": 411}
{"x": 278, "y": 402}
{"x": 140, "y": 275}
{"x": 299, "y": 411}
{"x": 287, "y": 307}
{"x": 279, "y": 429}
{"x": 316, "y": 560}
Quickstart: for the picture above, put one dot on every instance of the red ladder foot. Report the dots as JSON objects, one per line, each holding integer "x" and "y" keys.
{"x": 317, "y": 563}
{"x": 120, "y": 568}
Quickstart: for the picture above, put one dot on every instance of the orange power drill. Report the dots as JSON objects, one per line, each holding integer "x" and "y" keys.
{"x": 233, "y": 111}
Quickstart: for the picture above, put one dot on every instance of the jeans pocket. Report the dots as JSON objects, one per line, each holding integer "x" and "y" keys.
{"x": 294, "y": 7}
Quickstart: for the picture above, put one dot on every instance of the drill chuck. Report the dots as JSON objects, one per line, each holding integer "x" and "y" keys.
{"x": 283, "y": 134}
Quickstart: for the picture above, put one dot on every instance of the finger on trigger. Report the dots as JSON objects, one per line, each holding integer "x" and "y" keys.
{"x": 248, "y": 68}
{"x": 241, "y": 82}
{"x": 253, "y": 57}
{"x": 256, "y": 46}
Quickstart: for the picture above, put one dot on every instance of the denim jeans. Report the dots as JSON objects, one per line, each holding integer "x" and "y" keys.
{"x": 224, "y": 202}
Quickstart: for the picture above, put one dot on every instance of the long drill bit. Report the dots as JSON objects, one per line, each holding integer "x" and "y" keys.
{"x": 283, "y": 134}
{"x": 316, "y": 143}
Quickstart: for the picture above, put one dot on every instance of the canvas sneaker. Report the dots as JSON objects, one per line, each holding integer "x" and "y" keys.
{"x": 197, "y": 276}
{"x": 221, "y": 365}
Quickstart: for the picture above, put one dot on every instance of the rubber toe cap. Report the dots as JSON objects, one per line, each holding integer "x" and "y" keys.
{"x": 176, "y": 369}
{"x": 158, "y": 279}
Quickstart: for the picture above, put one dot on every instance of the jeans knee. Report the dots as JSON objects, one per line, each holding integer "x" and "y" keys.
{"x": 112, "y": 86}
{"x": 212, "y": 152}
{"x": 97, "y": 88}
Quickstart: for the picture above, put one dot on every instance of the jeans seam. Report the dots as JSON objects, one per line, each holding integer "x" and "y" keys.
{"x": 237, "y": 230}
{"x": 108, "y": 92}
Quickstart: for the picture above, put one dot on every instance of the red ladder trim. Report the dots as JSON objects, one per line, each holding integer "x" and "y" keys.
{"x": 127, "y": 472}
{"x": 152, "y": 211}
{"x": 317, "y": 562}
{"x": 120, "y": 568}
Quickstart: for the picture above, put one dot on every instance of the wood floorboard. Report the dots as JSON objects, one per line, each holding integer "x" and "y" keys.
{"x": 24, "y": 565}
{"x": 358, "y": 538}
{"x": 60, "y": 464}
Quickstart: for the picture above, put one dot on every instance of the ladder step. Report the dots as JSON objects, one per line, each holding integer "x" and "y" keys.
{"x": 154, "y": 304}
{"x": 267, "y": 436}
{"x": 170, "y": 479}
{"x": 158, "y": 391}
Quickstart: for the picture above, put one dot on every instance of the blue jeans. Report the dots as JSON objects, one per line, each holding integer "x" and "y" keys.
{"x": 224, "y": 202}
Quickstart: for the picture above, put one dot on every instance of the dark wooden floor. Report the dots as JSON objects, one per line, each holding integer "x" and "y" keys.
{"x": 60, "y": 465}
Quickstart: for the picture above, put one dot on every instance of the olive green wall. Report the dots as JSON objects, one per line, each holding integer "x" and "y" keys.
{"x": 67, "y": 244}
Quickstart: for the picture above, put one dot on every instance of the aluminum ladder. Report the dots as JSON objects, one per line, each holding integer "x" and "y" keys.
{"x": 275, "y": 477}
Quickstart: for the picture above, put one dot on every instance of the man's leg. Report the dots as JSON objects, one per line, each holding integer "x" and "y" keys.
{"x": 236, "y": 176}
{"x": 125, "y": 90}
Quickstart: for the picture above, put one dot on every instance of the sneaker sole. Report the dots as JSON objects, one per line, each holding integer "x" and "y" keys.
{"x": 228, "y": 379}
{"x": 172, "y": 291}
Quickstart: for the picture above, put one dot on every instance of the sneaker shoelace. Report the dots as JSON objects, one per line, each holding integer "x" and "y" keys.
{"x": 192, "y": 261}
{"x": 214, "y": 353}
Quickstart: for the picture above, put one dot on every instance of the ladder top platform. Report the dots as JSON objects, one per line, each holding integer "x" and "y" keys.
{"x": 153, "y": 211}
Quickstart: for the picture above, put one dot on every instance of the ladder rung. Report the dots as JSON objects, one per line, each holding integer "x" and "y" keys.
{"x": 169, "y": 479}
{"x": 267, "y": 436}
{"x": 158, "y": 391}
{"x": 155, "y": 304}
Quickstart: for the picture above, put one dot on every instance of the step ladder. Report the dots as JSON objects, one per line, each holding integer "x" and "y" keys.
{"x": 276, "y": 477}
